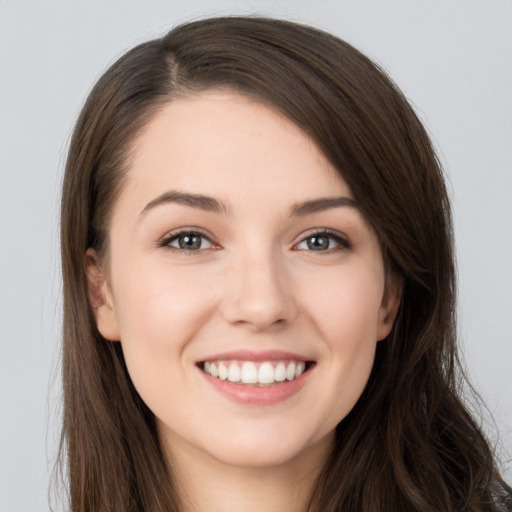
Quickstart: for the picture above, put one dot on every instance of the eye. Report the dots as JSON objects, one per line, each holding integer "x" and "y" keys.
{"x": 322, "y": 242}
{"x": 189, "y": 241}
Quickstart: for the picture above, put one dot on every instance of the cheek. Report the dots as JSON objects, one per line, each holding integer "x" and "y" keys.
{"x": 345, "y": 306}
{"x": 346, "y": 315}
{"x": 160, "y": 311}
{"x": 160, "y": 307}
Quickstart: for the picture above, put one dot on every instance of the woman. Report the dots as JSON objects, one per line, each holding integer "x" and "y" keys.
{"x": 259, "y": 286}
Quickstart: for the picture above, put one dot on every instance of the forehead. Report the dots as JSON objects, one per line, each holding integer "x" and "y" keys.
{"x": 218, "y": 143}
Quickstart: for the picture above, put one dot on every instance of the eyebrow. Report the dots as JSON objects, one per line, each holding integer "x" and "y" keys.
{"x": 320, "y": 205}
{"x": 210, "y": 204}
{"x": 198, "y": 201}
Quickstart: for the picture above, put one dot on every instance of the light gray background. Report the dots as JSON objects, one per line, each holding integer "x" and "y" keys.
{"x": 453, "y": 59}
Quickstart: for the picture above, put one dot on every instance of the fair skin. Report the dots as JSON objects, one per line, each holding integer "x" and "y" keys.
{"x": 265, "y": 272}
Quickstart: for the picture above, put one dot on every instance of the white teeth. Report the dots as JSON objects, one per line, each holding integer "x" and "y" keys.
{"x": 234, "y": 373}
{"x": 266, "y": 374}
{"x": 249, "y": 373}
{"x": 280, "y": 372}
{"x": 299, "y": 370}
{"x": 223, "y": 372}
{"x": 290, "y": 371}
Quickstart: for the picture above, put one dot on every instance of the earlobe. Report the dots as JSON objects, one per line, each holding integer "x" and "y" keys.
{"x": 100, "y": 298}
{"x": 389, "y": 307}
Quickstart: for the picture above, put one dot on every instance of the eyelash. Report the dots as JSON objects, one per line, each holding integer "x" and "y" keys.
{"x": 175, "y": 236}
{"x": 342, "y": 243}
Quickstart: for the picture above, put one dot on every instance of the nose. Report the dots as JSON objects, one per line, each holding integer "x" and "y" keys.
{"x": 259, "y": 294}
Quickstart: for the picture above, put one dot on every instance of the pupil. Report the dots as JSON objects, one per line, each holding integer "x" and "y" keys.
{"x": 318, "y": 243}
{"x": 190, "y": 242}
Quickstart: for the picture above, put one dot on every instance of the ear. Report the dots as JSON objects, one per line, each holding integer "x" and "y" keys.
{"x": 101, "y": 298}
{"x": 389, "y": 306}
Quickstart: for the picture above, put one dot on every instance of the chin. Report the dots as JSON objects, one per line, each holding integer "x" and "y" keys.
{"x": 261, "y": 450}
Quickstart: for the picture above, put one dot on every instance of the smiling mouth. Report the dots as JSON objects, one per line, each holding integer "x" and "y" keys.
{"x": 264, "y": 373}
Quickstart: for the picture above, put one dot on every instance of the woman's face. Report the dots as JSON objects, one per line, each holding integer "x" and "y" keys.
{"x": 238, "y": 252}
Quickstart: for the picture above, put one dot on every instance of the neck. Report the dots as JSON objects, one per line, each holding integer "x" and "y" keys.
{"x": 207, "y": 484}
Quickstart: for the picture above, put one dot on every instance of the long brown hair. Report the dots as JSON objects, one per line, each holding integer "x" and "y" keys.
{"x": 409, "y": 443}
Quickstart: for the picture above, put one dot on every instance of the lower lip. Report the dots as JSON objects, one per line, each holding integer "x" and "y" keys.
{"x": 246, "y": 394}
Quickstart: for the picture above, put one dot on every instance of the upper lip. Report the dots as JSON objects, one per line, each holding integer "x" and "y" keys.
{"x": 254, "y": 355}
